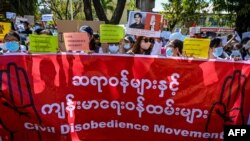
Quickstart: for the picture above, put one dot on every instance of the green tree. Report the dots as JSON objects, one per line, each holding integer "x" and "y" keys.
{"x": 181, "y": 12}
{"x": 131, "y": 5}
{"x": 240, "y": 8}
{"x": 21, "y": 7}
{"x": 117, "y": 14}
{"x": 108, "y": 5}
{"x": 61, "y": 8}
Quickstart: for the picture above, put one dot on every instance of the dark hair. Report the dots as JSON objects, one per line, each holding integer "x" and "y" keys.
{"x": 13, "y": 33}
{"x": 130, "y": 39}
{"x": 26, "y": 23}
{"x": 136, "y": 49}
{"x": 139, "y": 14}
{"x": 215, "y": 42}
{"x": 96, "y": 36}
{"x": 177, "y": 44}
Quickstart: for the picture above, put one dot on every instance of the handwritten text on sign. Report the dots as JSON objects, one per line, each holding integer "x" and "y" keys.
{"x": 111, "y": 33}
{"x": 85, "y": 95}
{"x": 196, "y": 47}
{"x": 76, "y": 41}
{"x": 43, "y": 43}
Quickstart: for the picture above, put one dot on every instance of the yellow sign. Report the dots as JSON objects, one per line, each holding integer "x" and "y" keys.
{"x": 4, "y": 29}
{"x": 43, "y": 43}
{"x": 111, "y": 33}
{"x": 197, "y": 48}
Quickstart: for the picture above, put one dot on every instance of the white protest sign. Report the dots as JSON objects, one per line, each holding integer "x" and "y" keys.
{"x": 245, "y": 35}
{"x": 10, "y": 15}
{"x": 144, "y": 24}
{"x": 47, "y": 17}
{"x": 20, "y": 19}
{"x": 30, "y": 18}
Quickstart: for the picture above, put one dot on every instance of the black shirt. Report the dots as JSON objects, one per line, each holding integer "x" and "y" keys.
{"x": 135, "y": 25}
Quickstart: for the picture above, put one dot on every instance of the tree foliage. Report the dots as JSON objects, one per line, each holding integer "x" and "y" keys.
{"x": 183, "y": 11}
{"x": 108, "y": 5}
{"x": 240, "y": 8}
{"x": 92, "y": 8}
{"x": 21, "y": 7}
{"x": 61, "y": 8}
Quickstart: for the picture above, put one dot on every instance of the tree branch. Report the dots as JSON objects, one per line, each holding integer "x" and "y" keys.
{"x": 88, "y": 10}
{"x": 100, "y": 11}
{"x": 116, "y": 17}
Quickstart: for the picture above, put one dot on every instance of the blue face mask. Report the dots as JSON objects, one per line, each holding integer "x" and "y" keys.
{"x": 113, "y": 48}
{"x": 169, "y": 51}
{"x": 218, "y": 51}
{"x": 127, "y": 46}
{"x": 37, "y": 27}
{"x": 236, "y": 53}
{"x": 12, "y": 46}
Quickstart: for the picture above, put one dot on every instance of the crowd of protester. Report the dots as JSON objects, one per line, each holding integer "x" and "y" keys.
{"x": 169, "y": 44}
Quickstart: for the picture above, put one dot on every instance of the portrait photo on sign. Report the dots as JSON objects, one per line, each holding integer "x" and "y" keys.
{"x": 136, "y": 20}
{"x": 152, "y": 22}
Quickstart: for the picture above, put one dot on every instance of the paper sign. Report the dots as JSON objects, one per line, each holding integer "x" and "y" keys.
{"x": 216, "y": 29}
{"x": 30, "y": 19}
{"x": 245, "y": 35}
{"x": 144, "y": 24}
{"x": 47, "y": 17}
{"x": 197, "y": 48}
{"x": 4, "y": 29}
{"x": 74, "y": 26}
{"x": 76, "y": 41}
{"x": 43, "y": 43}
{"x": 10, "y": 15}
{"x": 111, "y": 33}
{"x": 20, "y": 19}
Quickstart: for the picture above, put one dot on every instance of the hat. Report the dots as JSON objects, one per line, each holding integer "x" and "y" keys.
{"x": 247, "y": 45}
{"x": 128, "y": 38}
{"x": 165, "y": 34}
{"x": 87, "y": 29}
{"x": 177, "y": 36}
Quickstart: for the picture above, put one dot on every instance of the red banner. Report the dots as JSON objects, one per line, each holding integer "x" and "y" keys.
{"x": 95, "y": 97}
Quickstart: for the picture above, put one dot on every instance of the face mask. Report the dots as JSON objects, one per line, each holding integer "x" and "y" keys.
{"x": 127, "y": 46}
{"x": 113, "y": 48}
{"x": 37, "y": 27}
{"x": 218, "y": 51}
{"x": 145, "y": 46}
{"x": 236, "y": 53}
{"x": 12, "y": 46}
{"x": 169, "y": 51}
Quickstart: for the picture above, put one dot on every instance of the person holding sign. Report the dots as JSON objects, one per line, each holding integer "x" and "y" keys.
{"x": 143, "y": 45}
{"x": 216, "y": 50}
{"x": 247, "y": 49}
{"x": 89, "y": 30}
{"x": 113, "y": 48}
{"x": 138, "y": 21}
{"x": 174, "y": 48}
{"x": 127, "y": 43}
{"x": 12, "y": 43}
{"x": 236, "y": 54}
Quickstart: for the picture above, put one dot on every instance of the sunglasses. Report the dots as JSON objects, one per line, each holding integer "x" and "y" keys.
{"x": 147, "y": 40}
